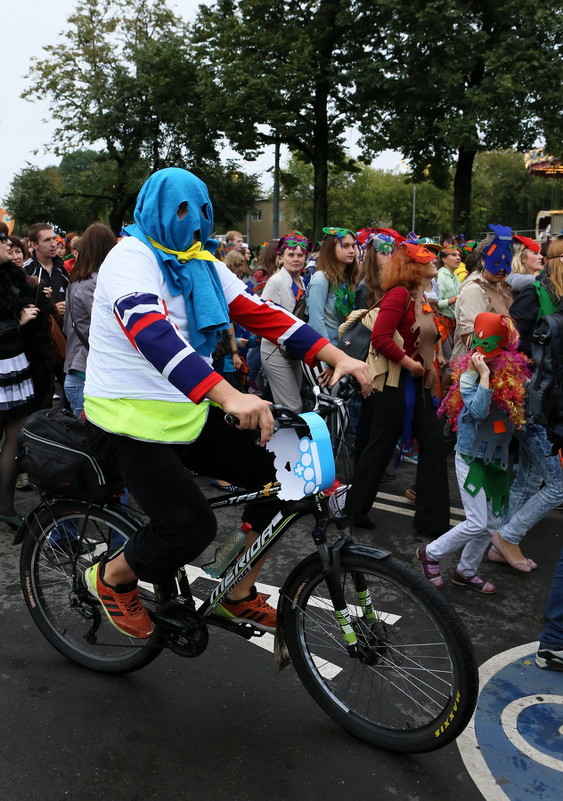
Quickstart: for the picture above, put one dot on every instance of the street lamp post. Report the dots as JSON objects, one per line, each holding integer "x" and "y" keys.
{"x": 276, "y": 195}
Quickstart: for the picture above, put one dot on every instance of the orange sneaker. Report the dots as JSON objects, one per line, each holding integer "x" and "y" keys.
{"x": 253, "y": 609}
{"x": 123, "y": 609}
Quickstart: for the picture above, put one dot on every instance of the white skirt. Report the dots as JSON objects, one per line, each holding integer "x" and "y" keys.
{"x": 16, "y": 386}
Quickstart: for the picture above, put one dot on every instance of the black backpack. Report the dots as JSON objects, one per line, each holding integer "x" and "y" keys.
{"x": 53, "y": 451}
{"x": 545, "y": 391}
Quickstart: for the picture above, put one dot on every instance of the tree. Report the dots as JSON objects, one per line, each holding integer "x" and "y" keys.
{"x": 34, "y": 196}
{"x": 279, "y": 71}
{"x": 232, "y": 191}
{"x": 503, "y": 190}
{"x": 80, "y": 190}
{"x": 365, "y": 198}
{"x": 463, "y": 76}
{"x": 124, "y": 78}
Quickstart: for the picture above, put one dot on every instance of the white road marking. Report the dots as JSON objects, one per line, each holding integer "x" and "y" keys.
{"x": 409, "y": 512}
{"x": 455, "y": 510}
{"x": 467, "y": 740}
{"x": 266, "y": 641}
{"x": 327, "y": 669}
{"x": 509, "y": 718}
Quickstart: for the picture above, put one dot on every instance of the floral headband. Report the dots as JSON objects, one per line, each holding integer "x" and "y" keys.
{"x": 339, "y": 233}
{"x": 295, "y": 239}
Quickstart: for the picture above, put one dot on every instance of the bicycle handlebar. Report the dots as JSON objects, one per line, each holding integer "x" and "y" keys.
{"x": 287, "y": 418}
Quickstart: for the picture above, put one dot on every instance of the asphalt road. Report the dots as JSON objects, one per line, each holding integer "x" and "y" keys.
{"x": 225, "y": 725}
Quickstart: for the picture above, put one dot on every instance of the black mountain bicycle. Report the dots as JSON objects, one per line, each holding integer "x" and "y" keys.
{"x": 379, "y": 649}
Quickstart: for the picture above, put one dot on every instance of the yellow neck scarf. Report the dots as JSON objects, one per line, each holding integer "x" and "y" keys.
{"x": 194, "y": 252}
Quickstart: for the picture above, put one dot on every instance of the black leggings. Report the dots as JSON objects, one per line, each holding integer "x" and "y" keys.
{"x": 181, "y": 523}
{"x": 432, "y": 493}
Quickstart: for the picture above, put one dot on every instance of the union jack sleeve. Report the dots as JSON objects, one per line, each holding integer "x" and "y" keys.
{"x": 144, "y": 320}
{"x": 273, "y": 322}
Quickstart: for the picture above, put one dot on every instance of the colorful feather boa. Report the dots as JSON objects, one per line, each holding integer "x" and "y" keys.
{"x": 510, "y": 373}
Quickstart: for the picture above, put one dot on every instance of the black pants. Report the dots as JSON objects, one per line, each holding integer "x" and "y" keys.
{"x": 432, "y": 493}
{"x": 181, "y": 523}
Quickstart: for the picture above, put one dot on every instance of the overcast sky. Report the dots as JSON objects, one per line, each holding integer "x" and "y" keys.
{"x": 25, "y": 129}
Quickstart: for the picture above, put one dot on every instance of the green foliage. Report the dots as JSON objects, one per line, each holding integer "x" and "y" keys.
{"x": 503, "y": 192}
{"x": 124, "y": 78}
{"x": 366, "y": 198}
{"x": 232, "y": 191}
{"x": 34, "y": 196}
{"x": 456, "y": 77}
{"x": 281, "y": 72}
{"x": 74, "y": 194}
{"x": 82, "y": 189}
{"x": 438, "y": 80}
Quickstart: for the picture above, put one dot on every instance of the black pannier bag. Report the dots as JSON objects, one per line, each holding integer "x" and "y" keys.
{"x": 54, "y": 453}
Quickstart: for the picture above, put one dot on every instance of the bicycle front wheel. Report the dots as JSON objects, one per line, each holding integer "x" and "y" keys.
{"x": 62, "y": 541}
{"x": 413, "y": 685}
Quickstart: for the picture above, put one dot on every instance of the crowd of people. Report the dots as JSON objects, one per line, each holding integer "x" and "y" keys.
{"x": 176, "y": 320}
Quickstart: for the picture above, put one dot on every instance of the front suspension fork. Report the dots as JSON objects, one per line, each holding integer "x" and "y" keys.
{"x": 331, "y": 559}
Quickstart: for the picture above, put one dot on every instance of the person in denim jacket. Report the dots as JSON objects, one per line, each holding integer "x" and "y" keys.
{"x": 485, "y": 405}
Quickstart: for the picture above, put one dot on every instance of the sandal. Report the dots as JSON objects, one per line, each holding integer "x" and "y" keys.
{"x": 430, "y": 567}
{"x": 474, "y": 583}
{"x": 224, "y": 487}
{"x": 523, "y": 565}
{"x": 494, "y": 555}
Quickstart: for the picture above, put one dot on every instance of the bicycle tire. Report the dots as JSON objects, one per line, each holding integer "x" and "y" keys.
{"x": 421, "y": 690}
{"x": 61, "y": 607}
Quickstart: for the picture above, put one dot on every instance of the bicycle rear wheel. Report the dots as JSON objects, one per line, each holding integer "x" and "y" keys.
{"x": 415, "y": 686}
{"x": 63, "y": 539}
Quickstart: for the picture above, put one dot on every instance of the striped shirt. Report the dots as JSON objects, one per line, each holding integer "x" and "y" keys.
{"x": 140, "y": 346}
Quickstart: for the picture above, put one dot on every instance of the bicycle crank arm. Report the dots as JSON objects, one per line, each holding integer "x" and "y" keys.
{"x": 181, "y": 629}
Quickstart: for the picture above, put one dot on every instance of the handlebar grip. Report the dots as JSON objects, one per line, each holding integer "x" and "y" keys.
{"x": 280, "y": 414}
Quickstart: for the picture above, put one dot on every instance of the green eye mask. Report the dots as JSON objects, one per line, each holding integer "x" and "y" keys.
{"x": 487, "y": 344}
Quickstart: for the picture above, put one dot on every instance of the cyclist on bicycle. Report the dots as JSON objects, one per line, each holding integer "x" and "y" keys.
{"x": 156, "y": 407}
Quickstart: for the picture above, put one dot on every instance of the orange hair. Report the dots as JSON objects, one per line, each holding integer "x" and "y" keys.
{"x": 401, "y": 270}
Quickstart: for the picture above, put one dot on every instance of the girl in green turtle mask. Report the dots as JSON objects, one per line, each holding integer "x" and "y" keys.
{"x": 485, "y": 405}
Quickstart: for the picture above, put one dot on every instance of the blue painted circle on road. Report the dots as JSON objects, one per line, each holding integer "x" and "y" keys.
{"x": 541, "y": 725}
{"x": 514, "y": 747}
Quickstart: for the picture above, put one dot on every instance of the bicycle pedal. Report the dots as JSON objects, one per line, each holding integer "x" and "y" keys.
{"x": 245, "y": 630}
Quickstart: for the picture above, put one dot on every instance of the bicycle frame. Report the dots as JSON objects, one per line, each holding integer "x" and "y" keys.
{"x": 329, "y": 555}
{"x": 275, "y": 529}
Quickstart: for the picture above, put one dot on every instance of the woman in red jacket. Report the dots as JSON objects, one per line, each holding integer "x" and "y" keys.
{"x": 404, "y": 336}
